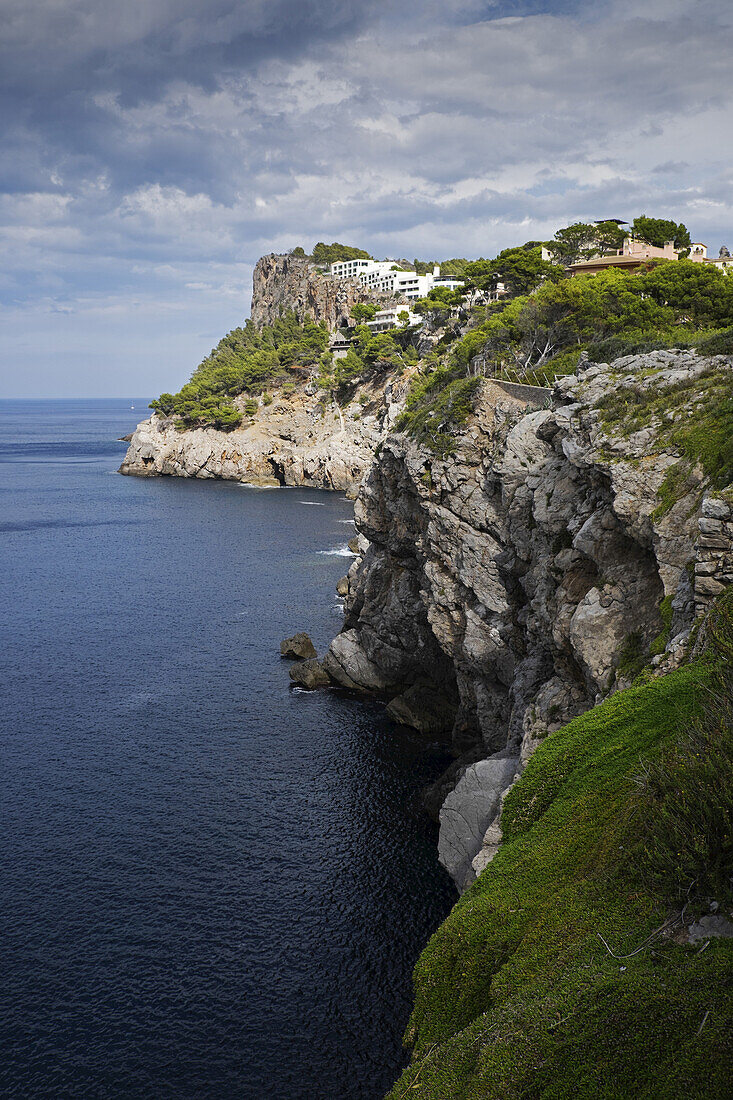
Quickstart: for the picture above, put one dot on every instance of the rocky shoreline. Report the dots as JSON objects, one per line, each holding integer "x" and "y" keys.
{"x": 295, "y": 439}
{"x": 501, "y": 592}
{"x": 505, "y": 591}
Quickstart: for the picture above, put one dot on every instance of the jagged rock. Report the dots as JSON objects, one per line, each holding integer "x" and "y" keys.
{"x": 519, "y": 571}
{"x": 309, "y": 675}
{"x": 293, "y": 441}
{"x": 348, "y": 665}
{"x": 298, "y": 648}
{"x": 296, "y": 439}
{"x": 468, "y": 811}
{"x": 342, "y": 586}
{"x": 292, "y": 283}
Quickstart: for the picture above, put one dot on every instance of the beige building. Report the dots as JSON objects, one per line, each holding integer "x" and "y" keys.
{"x": 636, "y": 252}
{"x": 631, "y": 255}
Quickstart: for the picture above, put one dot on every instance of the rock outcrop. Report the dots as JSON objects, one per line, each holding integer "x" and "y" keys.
{"x": 309, "y": 675}
{"x": 298, "y": 439}
{"x": 284, "y": 283}
{"x": 298, "y": 648}
{"x": 519, "y": 580}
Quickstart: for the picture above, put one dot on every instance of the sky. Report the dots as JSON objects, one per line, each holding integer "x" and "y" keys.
{"x": 154, "y": 149}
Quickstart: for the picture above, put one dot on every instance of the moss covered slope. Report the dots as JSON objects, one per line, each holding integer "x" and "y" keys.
{"x": 517, "y": 994}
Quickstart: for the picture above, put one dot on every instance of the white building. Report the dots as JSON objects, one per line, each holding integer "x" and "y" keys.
{"x": 366, "y": 271}
{"x": 383, "y": 276}
{"x": 723, "y": 261}
{"x": 390, "y": 318}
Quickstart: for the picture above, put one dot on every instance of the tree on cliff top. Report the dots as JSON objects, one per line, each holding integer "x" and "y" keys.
{"x": 581, "y": 240}
{"x": 519, "y": 269}
{"x": 333, "y": 253}
{"x": 657, "y": 231}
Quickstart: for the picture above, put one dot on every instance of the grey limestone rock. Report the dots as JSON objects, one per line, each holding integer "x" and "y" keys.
{"x": 298, "y": 648}
{"x": 423, "y": 708}
{"x": 348, "y": 665}
{"x": 467, "y": 813}
{"x": 309, "y": 675}
{"x": 515, "y": 573}
{"x": 284, "y": 283}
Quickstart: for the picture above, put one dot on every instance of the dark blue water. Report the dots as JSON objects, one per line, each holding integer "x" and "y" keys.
{"x": 211, "y": 886}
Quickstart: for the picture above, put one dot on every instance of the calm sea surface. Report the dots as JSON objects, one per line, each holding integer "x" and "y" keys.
{"x": 211, "y": 885}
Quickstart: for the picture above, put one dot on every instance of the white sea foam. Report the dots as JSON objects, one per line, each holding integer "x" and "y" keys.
{"x": 312, "y": 503}
{"x": 338, "y": 552}
{"x": 254, "y": 485}
{"x": 351, "y": 521}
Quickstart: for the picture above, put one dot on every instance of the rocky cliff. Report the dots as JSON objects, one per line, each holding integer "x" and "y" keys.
{"x": 516, "y": 584}
{"x": 300, "y": 438}
{"x": 297, "y": 439}
{"x": 284, "y": 283}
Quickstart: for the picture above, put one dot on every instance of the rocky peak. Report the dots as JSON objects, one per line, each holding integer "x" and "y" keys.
{"x": 283, "y": 283}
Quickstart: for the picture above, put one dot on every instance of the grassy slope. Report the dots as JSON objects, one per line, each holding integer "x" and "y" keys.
{"x": 516, "y": 996}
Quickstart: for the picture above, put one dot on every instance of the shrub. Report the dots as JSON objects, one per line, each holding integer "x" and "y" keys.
{"x": 326, "y": 254}
{"x": 246, "y": 360}
{"x": 436, "y": 407}
{"x": 721, "y": 343}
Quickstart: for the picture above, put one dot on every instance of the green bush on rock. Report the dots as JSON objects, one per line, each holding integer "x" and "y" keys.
{"x": 246, "y": 360}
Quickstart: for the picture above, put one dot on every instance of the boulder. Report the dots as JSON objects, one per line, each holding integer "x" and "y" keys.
{"x": 347, "y": 664}
{"x": 467, "y": 813}
{"x": 298, "y": 648}
{"x": 309, "y": 675}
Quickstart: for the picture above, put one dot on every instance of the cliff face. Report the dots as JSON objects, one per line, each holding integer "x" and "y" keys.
{"x": 283, "y": 283}
{"x": 513, "y": 586}
{"x": 296, "y": 440}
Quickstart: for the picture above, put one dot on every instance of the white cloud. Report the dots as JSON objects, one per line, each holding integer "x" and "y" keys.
{"x": 161, "y": 174}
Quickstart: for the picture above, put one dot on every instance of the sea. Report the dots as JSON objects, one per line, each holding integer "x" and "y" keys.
{"x": 211, "y": 884}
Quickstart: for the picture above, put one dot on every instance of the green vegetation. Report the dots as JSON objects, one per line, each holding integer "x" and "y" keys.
{"x": 363, "y": 311}
{"x": 245, "y": 361}
{"x": 519, "y": 269}
{"x": 669, "y": 303}
{"x": 658, "y": 231}
{"x": 439, "y": 303}
{"x": 694, "y": 417}
{"x": 582, "y": 240}
{"x": 456, "y": 267}
{"x": 533, "y": 335}
{"x": 660, "y": 642}
{"x": 324, "y": 254}
{"x": 537, "y": 337}
{"x": 438, "y": 404}
{"x": 557, "y": 973}
{"x": 370, "y": 354}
